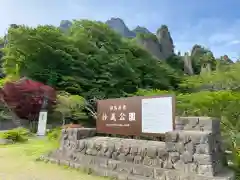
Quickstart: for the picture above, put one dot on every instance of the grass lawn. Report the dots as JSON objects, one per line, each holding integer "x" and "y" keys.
{"x": 18, "y": 162}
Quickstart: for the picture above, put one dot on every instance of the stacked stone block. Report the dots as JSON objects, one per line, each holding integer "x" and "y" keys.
{"x": 207, "y": 125}
{"x": 194, "y": 152}
{"x": 191, "y": 154}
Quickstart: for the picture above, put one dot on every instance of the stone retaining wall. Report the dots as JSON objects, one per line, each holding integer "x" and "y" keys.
{"x": 191, "y": 152}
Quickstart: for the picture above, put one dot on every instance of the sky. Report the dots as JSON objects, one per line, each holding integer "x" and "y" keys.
{"x": 214, "y": 24}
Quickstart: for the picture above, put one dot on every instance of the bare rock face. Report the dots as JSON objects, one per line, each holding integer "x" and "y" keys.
{"x": 188, "y": 69}
{"x": 151, "y": 46}
{"x": 166, "y": 41}
{"x": 161, "y": 46}
{"x": 140, "y": 29}
{"x": 119, "y": 26}
{"x": 65, "y": 25}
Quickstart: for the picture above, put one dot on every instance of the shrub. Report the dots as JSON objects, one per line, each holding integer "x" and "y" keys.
{"x": 223, "y": 79}
{"x": 54, "y": 134}
{"x": 17, "y": 135}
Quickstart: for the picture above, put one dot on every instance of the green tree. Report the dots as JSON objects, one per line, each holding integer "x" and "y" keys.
{"x": 89, "y": 59}
{"x": 199, "y": 57}
{"x": 177, "y": 63}
{"x": 38, "y": 57}
{"x": 1, "y": 40}
{"x": 70, "y": 106}
{"x": 221, "y": 79}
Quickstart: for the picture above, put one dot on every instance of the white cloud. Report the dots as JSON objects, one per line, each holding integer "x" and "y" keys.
{"x": 234, "y": 42}
{"x": 221, "y": 37}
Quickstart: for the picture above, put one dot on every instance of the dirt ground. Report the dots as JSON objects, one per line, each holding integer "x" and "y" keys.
{"x": 17, "y": 162}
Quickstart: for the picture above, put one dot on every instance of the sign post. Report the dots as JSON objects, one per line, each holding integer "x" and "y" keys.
{"x": 136, "y": 115}
{"x": 42, "y": 123}
{"x": 42, "y": 120}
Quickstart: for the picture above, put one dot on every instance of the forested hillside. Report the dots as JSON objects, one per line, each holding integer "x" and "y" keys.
{"x": 89, "y": 60}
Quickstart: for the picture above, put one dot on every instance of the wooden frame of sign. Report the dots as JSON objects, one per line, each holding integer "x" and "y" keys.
{"x": 124, "y": 116}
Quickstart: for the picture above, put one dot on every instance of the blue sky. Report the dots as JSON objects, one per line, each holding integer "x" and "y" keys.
{"x": 212, "y": 23}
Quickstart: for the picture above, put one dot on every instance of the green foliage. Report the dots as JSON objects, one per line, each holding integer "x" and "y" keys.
{"x": 200, "y": 56}
{"x": 176, "y": 62}
{"x": 152, "y": 92}
{"x": 90, "y": 60}
{"x": 147, "y": 36}
{"x": 38, "y": 57}
{"x": 17, "y": 134}
{"x": 54, "y": 134}
{"x": 1, "y": 40}
{"x": 222, "y": 79}
{"x": 70, "y": 106}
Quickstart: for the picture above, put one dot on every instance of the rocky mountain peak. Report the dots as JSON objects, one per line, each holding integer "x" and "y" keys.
{"x": 113, "y": 19}
{"x": 165, "y": 39}
{"x": 65, "y": 24}
{"x": 140, "y": 29}
{"x": 159, "y": 45}
{"x": 188, "y": 69}
{"x": 119, "y": 26}
{"x": 163, "y": 33}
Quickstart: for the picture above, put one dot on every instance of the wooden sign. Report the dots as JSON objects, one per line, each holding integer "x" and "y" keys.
{"x": 136, "y": 115}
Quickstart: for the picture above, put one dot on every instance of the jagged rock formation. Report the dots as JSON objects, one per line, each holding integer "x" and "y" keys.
{"x": 198, "y": 50}
{"x": 65, "y": 24}
{"x": 205, "y": 68}
{"x": 160, "y": 45}
{"x": 166, "y": 41}
{"x": 207, "y": 62}
{"x": 140, "y": 29}
{"x": 119, "y": 26}
{"x": 188, "y": 69}
{"x": 151, "y": 46}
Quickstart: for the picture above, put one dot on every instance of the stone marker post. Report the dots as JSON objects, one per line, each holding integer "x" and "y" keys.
{"x": 42, "y": 120}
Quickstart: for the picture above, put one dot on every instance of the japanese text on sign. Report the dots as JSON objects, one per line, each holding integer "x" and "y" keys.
{"x": 117, "y": 113}
{"x": 136, "y": 115}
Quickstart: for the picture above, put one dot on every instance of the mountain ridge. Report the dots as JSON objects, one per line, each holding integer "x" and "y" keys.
{"x": 159, "y": 45}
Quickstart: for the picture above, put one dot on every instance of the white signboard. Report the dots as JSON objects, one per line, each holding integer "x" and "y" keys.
{"x": 42, "y": 123}
{"x": 157, "y": 115}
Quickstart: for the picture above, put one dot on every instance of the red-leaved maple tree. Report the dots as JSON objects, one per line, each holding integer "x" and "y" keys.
{"x": 25, "y": 97}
